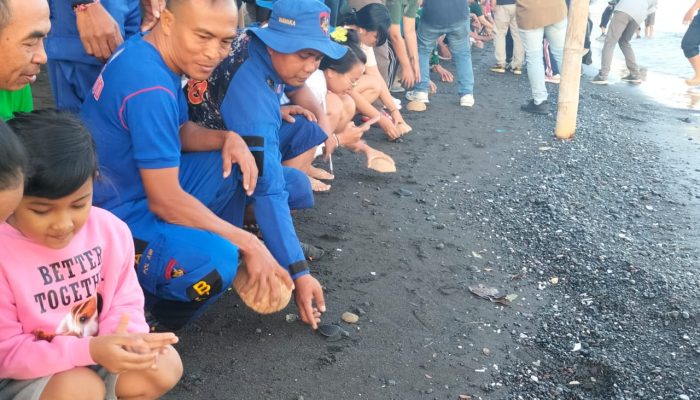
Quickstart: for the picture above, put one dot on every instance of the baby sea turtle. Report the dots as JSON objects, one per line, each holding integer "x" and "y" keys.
{"x": 332, "y": 332}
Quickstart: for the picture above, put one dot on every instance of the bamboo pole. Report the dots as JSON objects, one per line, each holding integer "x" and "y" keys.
{"x": 571, "y": 70}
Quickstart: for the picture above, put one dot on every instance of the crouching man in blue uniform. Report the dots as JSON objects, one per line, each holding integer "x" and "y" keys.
{"x": 244, "y": 94}
{"x": 172, "y": 181}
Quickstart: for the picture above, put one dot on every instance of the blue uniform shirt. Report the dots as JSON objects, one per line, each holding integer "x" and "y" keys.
{"x": 254, "y": 93}
{"x": 134, "y": 113}
{"x": 63, "y": 41}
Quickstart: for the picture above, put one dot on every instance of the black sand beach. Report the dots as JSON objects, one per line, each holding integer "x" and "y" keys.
{"x": 596, "y": 236}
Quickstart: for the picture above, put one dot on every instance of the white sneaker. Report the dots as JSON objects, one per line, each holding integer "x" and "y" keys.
{"x": 414, "y": 95}
{"x": 396, "y": 87}
{"x": 467, "y": 100}
{"x": 397, "y": 102}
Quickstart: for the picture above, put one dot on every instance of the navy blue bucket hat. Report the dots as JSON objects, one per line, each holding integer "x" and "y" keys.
{"x": 297, "y": 25}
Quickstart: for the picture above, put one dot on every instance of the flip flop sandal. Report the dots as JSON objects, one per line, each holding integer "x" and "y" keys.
{"x": 381, "y": 163}
{"x": 311, "y": 252}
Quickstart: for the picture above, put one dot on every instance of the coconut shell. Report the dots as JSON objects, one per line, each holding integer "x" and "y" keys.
{"x": 265, "y": 306}
{"x": 416, "y": 106}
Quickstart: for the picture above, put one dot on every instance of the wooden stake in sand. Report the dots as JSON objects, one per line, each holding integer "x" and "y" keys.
{"x": 571, "y": 70}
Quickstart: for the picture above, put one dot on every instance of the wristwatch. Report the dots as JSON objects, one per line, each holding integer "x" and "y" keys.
{"x": 82, "y": 4}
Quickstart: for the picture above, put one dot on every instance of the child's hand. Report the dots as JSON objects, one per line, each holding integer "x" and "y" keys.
{"x": 152, "y": 342}
{"x": 111, "y": 352}
{"x": 123, "y": 351}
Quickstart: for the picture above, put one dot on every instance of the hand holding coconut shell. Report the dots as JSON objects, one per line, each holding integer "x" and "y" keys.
{"x": 266, "y": 305}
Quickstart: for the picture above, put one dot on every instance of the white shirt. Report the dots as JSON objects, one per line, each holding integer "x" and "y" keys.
{"x": 317, "y": 83}
{"x": 637, "y": 9}
{"x": 369, "y": 52}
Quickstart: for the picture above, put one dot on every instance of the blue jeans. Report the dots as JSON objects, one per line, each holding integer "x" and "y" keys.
{"x": 532, "y": 42}
{"x": 458, "y": 36}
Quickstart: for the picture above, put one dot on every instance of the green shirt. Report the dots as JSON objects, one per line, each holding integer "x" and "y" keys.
{"x": 16, "y": 101}
{"x": 401, "y": 8}
{"x": 475, "y": 8}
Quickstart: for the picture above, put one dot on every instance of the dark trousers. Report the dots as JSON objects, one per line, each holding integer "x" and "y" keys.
{"x": 691, "y": 41}
{"x": 605, "y": 18}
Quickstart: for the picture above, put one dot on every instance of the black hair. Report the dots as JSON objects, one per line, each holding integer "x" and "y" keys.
{"x": 13, "y": 158}
{"x": 61, "y": 152}
{"x": 373, "y": 17}
{"x": 352, "y": 57}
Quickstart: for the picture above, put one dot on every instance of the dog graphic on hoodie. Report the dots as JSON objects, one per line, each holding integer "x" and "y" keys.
{"x": 81, "y": 321}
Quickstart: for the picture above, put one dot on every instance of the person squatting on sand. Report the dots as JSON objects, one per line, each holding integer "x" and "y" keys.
{"x": 70, "y": 292}
{"x": 172, "y": 181}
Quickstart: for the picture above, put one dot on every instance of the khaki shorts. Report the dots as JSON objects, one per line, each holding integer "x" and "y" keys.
{"x": 31, "y": 389}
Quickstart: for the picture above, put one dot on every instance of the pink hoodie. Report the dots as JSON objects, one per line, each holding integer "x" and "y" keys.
{"x": 53, "y": 301}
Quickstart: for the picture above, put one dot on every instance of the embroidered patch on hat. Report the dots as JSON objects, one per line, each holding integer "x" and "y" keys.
{"x": 325, "y": 22}
{"x": 287, "y": 21}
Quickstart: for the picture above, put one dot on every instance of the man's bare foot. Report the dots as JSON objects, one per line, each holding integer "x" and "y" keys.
{"x": 379, "y": 161}
{"x": 318, "y": 186}
{"x": 693, "y": 81}
{"x": 319, "y": 173}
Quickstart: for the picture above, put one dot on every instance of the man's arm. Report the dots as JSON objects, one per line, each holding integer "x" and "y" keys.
{"x": 304, "y": 97}
{"x": 98, "y": 31}
{"x": 485, "y": 23}
{"x": 270, "y": 200}
{"x": 195, "y": 138}
{"x": 171, "y": 203}
{"x": 691, "y": 12}
{"x": 399, "y": 46}
{"x": 409, "y": 32}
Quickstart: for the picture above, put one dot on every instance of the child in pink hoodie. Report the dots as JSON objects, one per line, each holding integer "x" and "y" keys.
{"x": 71, "y": 310}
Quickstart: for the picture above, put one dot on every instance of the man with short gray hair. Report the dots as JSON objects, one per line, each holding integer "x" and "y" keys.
{"x": 23, "y": 26}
